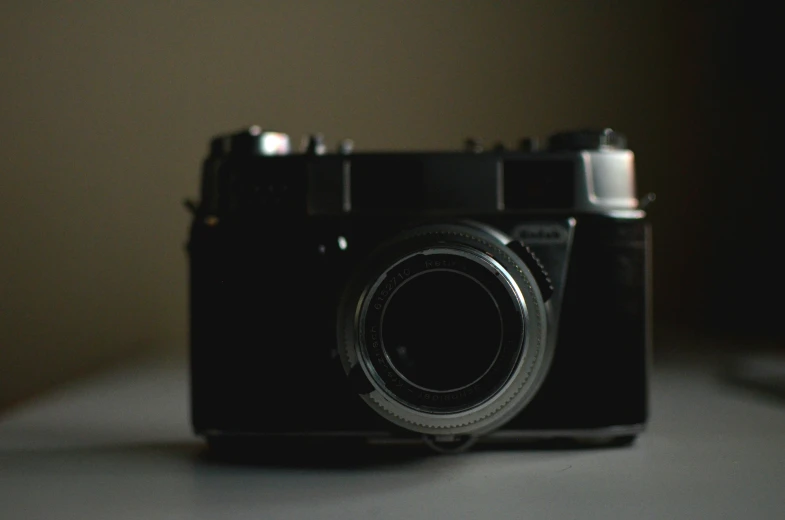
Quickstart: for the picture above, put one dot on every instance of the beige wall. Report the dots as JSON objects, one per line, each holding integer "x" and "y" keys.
{"x": 105, "y": 110}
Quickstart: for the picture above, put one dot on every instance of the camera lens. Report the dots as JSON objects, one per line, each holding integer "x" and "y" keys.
{"x": 441, "y": 330}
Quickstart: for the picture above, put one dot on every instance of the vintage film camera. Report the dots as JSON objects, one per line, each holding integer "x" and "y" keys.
{"x": 447, "y": 297}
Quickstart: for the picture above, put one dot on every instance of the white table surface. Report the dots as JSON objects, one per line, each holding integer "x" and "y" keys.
{"x": 119, "y": 446}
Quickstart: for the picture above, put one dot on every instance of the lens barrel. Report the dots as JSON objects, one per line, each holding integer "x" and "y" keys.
{"x": 449, "y": 328}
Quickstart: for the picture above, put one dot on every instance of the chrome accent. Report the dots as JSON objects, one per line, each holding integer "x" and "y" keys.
{"x": 625, "y": 213}
{"x": 274, "y": 143}
{"x": 607, "y": 183}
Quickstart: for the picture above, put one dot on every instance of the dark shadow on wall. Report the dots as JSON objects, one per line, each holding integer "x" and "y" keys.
{"x": 744, "y": 96}
{"x": 718, "y": 267}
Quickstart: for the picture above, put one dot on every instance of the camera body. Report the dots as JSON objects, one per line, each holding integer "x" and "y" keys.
{"x": 522, "y": 280}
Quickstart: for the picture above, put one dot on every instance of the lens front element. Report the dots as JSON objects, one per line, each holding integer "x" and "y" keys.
{"x": 441, "y": 330}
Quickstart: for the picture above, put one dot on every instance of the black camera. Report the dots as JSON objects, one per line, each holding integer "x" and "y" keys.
{"x": 444, "y": 297}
